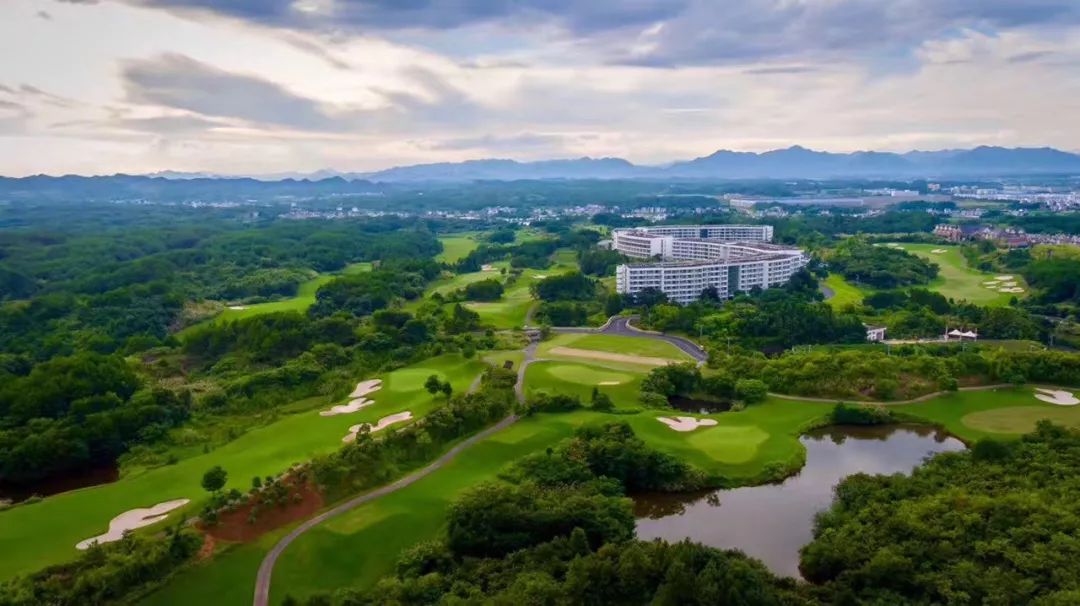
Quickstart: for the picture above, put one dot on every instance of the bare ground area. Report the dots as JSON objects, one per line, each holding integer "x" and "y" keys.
{"x": 234, "y": 525}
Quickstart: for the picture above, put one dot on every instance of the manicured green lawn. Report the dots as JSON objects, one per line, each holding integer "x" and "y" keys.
{"x": 844, "y": 293}
{"x": 1002, "y": 413}
{"x": 957, "y": 280}
{"x": 456, "y": 247}
{"x": 578, "y": 379}
{"x": 45, "y": 533}
{"x": 634, "y": 346}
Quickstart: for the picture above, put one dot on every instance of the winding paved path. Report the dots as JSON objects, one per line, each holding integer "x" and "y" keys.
{"x": 266, "y": 568}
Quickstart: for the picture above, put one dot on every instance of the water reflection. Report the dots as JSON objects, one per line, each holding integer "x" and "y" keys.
{"x": 772, "y": 522}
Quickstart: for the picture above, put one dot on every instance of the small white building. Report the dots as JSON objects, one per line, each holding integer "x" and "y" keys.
{"x": 875, "y": 334}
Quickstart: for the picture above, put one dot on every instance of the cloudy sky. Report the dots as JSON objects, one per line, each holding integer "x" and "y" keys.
{"x": 269, "y": 86}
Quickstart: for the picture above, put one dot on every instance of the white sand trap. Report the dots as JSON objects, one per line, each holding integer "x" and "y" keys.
{"x": 938, "y": 251}
{"x": 487, "y": 267}
{"x": 382, "y": 424}
{"x": 991, "y": 283}
{"x": 893, "y": 244}
{"x": 130, "y": 520}
{"x": 344, "y": 409}
{"x": 685, "y": 423}
{"x": 1003, "y": 278}
{"x": 541, "y": 276}
{"x": 363, "y": 388}
{"x": 610, "y": 383}
{"x": 1008, "y": 284}
{"x": 238, "y": 307}
{"x": 1055, "y": 396}
{"x": 1011, "y": 290}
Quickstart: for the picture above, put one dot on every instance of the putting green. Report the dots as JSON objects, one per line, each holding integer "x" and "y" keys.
{"x": 46, "y": 532}
{"x": 957, "y": 280}
{"x": 584, "y": 375}
{"x": 1021, "y": 419}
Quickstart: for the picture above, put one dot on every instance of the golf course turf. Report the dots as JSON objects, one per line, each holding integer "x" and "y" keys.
{"x": 456, "y": 247}
{"x": 46, "y": 532}
{"x": 957, "y": 280}
{"x": 362, "y": 545}
{"x": 844, "y": 293}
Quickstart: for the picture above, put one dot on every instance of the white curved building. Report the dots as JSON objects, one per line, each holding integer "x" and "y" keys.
{"x": 691, "y": 258}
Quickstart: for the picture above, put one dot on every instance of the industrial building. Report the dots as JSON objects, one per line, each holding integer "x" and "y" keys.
{"x": 688, "y": 259}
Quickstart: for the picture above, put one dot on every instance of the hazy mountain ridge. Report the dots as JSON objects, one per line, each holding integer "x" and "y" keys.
{"x": 792, "y": 162}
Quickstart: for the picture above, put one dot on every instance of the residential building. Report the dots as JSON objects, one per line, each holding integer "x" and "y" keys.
{"x": 690, "y": 259}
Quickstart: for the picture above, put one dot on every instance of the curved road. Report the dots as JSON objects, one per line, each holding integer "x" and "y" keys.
{"x": 620, "y": 325}
{"x": 266, "y": 568}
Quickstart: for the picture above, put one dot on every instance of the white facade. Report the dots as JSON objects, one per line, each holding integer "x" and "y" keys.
{"x": 729, "y": 258}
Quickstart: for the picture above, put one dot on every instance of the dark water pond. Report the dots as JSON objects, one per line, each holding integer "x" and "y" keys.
{"x": 772, "y": 522}
{"x": 63, "y": 483}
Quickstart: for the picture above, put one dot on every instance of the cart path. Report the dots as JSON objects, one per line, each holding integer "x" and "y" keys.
{"x": 266, "y": 568}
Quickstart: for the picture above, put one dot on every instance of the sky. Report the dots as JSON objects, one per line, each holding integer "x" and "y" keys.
{"x": 285, "y": 86}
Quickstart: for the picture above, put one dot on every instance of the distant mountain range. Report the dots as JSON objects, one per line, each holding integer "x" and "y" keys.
{"x": 793, "y": 162}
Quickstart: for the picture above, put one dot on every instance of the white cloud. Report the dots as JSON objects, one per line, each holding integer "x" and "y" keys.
{"x": 112, "y": 86}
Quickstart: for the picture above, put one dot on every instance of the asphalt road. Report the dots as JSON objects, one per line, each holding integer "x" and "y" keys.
{"x": 266, "y": 568}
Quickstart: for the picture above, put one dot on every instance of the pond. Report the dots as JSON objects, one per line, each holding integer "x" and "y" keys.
{"x": 773, "y": 521}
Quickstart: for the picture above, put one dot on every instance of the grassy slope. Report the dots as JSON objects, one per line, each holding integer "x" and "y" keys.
{"x": 1001, "y": 413}
{"x": 844, "y": 293}
{"x": 958, "y": 281}
{"x": 305, "y": 297}
{"x": 457, "y": 247}
{"x": 46, "y": 532}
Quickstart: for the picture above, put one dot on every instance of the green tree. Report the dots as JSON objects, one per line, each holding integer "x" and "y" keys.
{"x": 214, "y": 479}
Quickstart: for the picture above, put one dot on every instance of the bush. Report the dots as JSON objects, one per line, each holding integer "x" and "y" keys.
{"x": 861, "y": 414}
{"x": 751, "y": 391}
{"x": 651, "y": 399}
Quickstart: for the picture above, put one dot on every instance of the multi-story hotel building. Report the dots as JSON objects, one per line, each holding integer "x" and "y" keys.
{"x": 691, "y": 258}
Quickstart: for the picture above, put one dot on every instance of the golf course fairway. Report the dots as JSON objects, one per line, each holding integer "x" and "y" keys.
{"x": 40, "y": 534}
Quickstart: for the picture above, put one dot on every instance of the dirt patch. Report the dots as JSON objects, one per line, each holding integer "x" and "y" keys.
{"x": 589, "y": 354}
{"x": 207, "y": 550}
{"x": 301, "y": 503}
{"x": 686, "y": 423}
{"x": 132, "y": 519}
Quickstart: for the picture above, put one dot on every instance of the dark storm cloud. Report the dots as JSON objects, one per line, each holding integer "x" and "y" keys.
{"x": 693, "y": 32}
{"x": 180, "y": 82}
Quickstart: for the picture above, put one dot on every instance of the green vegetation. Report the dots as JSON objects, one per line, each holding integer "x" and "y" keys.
{"x": 633, "y": 346}
{"x": 48, "y": 530}
{"x": 957, "y": 280}
{"x": 995, "y": 524}
{"x": 456, "y": 247}
{"x": 879, "y": 266}
{"x": 844, "y": 293}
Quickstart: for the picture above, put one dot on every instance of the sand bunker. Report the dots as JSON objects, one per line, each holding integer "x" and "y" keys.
{"x": 685, "y": 423}
{"x": 363, "y": 388}
{"x": 358, "y": 401}
{"x": 130, "y": 520}
{"x": 991, "y": 283}
{"x": 611, "y": 357}
{"x": 344, "y": 409}
{"x": 382, "y": 424}
{"x": 238, "y": 307}
{"x": 1056, "y": 396}
{"x": 893, "y": 244}
{"x": 1003, "y": 278}
{"x": 938, "y": 251}
{"x": 487, "y": 267}
{"x": 1011, "y": 290}
{"x": 609, "y": 383}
